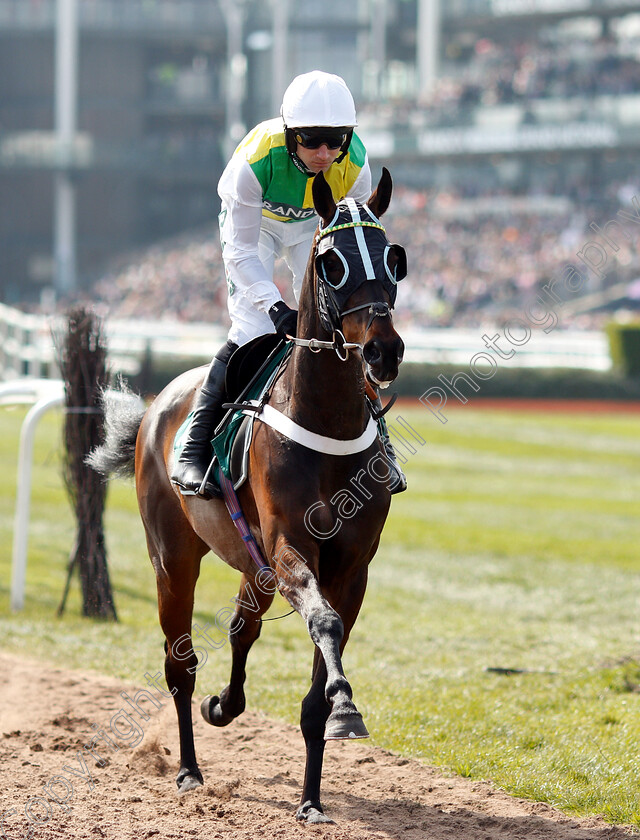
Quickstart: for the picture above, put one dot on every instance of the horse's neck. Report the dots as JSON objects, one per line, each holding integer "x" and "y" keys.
{"x": 325, "y": 394}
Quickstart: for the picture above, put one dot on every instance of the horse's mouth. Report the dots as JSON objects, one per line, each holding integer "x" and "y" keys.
{"x": 382, "y": 359}
{"x": 375, "y": 381}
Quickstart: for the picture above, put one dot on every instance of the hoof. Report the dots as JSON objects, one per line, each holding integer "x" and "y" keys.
{"x": 212, "y": 711}
{"x": 312, "y": 814}
{"x": 345, "y": 725}
{"x": 189, "y": 780}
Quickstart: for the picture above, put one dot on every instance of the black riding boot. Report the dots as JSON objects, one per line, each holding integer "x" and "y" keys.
{"x": 396, "y": 476}
{"x": 190, "y": 468}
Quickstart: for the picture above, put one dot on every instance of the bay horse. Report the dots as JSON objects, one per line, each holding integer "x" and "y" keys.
{"x": 318, "y": 561}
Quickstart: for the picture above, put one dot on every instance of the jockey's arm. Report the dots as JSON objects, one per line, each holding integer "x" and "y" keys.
{"x": 240, "y": 233}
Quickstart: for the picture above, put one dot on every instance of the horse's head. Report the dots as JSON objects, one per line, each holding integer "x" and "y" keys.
{"x": 356, "y": 272}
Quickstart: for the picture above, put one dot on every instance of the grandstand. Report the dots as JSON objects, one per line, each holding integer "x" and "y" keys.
{"x": 525, "y": 146}
{"x": 514, "y": 157}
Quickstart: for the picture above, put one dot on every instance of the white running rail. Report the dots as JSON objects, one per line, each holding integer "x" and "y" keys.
{"x": 44, "y": 394}
{"x": 26, "y": 345}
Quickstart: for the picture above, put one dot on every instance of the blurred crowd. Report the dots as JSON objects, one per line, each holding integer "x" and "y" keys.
{"x": 470, "y": 262}
{"x": 529, "y": 70}
{"x": 181, "y": 279}
{"x": 487, "y": 265}
{"x": 520, "y": 73}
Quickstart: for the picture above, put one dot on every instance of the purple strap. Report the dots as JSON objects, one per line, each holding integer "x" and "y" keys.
{"x": 236, "y": 514}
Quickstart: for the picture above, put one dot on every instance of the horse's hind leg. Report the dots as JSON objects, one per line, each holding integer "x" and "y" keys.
{"x": 252, "y": 602}
{"x": 176, "y": 579}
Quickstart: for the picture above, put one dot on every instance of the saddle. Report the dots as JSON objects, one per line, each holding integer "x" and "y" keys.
{"x": 249, "y": 375}
{"x": 250, "y": 372}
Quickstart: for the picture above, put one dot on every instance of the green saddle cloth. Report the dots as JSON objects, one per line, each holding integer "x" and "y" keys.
{"x": 222, "y": 443}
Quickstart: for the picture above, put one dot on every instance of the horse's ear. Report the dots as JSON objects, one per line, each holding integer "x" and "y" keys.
{"x": 323, "y": 199}
{"x": 381, "y": 198}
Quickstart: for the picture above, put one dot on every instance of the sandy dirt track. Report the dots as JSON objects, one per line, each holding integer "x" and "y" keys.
{"x": 253, "y": 772}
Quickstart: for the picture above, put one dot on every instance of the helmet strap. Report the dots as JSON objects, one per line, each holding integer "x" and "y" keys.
{"x": 300, "y": 165}
{"x": 345, "y": 147}
{"x": 292, "y": 146}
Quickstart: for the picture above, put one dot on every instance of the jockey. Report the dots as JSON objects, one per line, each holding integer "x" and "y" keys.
{"x": 267, "y": 212}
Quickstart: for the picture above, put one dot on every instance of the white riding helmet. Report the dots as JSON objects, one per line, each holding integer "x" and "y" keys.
{"x": 318, "y": 99}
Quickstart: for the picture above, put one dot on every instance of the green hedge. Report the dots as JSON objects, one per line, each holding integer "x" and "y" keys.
{"x": 415, "y": 379}
{"x": 624, "y": 345}
{"x": 158, "y": 371}
{"x": 526, "y": 383}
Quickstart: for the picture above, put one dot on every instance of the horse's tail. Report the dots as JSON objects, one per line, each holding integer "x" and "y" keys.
{"x": 123, "y": 413}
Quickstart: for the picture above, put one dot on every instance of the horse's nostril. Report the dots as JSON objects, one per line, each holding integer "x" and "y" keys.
{"x": 372, "y": 352}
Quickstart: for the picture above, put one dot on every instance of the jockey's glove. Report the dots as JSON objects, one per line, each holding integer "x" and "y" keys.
{"x": 284, "y": 319}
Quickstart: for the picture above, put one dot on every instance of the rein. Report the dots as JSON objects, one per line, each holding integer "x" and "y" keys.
{"x": 378, "y": 309}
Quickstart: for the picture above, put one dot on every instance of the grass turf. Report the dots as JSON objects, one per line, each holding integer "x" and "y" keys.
{"x": 498, "y": 638}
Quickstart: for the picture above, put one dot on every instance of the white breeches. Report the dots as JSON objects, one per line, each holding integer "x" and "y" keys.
{"x": 289, "y": 240}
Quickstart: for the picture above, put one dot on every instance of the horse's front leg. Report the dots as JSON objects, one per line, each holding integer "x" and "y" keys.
{"x": 327, "y": 630}
{"x": 328, "y": 711}
{"x": 313, "y": 719}
{"x": 251, "y": 604}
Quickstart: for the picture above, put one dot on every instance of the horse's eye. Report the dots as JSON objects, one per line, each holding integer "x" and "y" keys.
{"x": 334, "y": 269}
{"x": 332, "y": 265}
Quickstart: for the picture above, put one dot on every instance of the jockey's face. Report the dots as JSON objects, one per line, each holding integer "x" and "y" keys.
{"x": 317, "y": 160}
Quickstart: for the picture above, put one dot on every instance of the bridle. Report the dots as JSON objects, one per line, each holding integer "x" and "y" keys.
{"x": 331, "y": 313}
{"x": 338, "y": 342}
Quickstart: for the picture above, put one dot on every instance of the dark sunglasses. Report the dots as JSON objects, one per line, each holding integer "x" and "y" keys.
{"x": 313, "y": 138}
